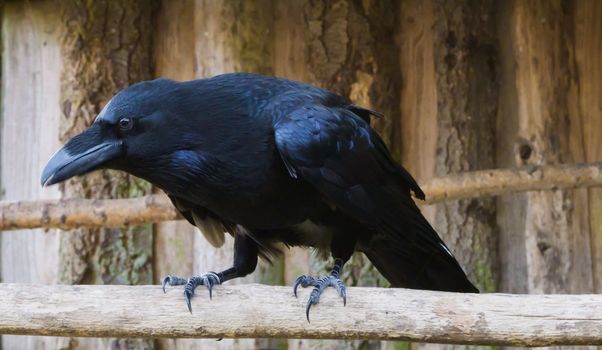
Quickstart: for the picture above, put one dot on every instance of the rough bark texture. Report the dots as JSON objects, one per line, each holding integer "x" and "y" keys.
{"x": 106, "y": 46}
{"x": 350, "y": 49}
{"x": 376, "y": 313}
{"x": 466, "y": 78}
{"x": 588, "y": 61}
{"x": 546, "y": 249}
{"x": 448, "y": 113}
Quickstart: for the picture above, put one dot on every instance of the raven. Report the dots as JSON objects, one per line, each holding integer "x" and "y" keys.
{"x": 268, "y": 161}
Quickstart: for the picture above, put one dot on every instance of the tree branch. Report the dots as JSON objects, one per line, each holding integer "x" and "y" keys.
{"x": 70, "y": 213}
{"x": 254, "y": 311}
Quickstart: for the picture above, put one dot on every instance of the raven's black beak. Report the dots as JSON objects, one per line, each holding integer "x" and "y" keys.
{"x": 82, "y": 154}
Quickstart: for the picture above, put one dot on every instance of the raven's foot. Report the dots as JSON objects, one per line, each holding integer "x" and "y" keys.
{"x": 209, "y": 280}
{"x": 319, "y": 284}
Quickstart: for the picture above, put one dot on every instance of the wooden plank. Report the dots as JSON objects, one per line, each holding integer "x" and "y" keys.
{"x": 29, "y": 134}
{"x": 588, "y": 59}
{"x": 418, "y": 103}
{"x": 558, "y": 253}
{"x": 201, "y": 39}
{"x": 175, "y": 59}
{"x": 174, "y": 250}
{"x": 263, "y": 311}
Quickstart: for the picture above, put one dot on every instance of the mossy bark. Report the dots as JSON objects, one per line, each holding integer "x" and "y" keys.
{"x": 106, "y": 46}
{"x": 466, "y": 71}
{"x": 351, "y": 50}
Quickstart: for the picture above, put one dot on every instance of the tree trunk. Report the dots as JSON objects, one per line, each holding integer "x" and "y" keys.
{"x": 545, "y": 237}
{"x": 449, "y": 106}
{"x": 106, "y": 46}
{"x": 465, "y": 51}
{"x": 553, "y": 254}
{"x": 588, "y": 70}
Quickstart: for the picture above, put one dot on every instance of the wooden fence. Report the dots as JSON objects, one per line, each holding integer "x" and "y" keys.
{"x": 258, "y": 311}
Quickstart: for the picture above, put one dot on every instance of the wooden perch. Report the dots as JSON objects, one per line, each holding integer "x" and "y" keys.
{"x": 258, "y": 311}
{"x": 72, "y": 213}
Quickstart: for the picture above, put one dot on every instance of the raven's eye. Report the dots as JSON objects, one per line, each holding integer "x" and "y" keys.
{"x": 126, "y": 123}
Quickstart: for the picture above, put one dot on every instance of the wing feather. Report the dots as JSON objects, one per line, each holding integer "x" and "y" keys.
{"x": 346, "y": 161}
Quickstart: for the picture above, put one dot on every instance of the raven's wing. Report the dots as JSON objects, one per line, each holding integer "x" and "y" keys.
{"x": 212, "y": 228}
{"x": 346, "y": 161}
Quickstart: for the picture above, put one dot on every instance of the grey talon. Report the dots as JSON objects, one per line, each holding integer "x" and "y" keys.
{"x": 209, "y": 280}
{"x": 319, "y": 284}
{"x": 172, "y": 281}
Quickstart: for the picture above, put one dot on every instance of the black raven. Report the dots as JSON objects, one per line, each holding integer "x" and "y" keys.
{"x": 269, "y": 161}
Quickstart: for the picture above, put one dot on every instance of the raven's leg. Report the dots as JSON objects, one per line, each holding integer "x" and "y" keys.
{"x": 341, "y": 248}
{"x": 245, "y": 261}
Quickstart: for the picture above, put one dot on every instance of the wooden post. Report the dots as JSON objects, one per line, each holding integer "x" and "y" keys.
{"x": 545, "y": 236}
{"x": 29, "y": 135}
{"x": 210, "y": 38}
{"x": 588, "y": 126}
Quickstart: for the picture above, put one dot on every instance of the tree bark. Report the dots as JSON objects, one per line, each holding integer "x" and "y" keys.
{"x": 465, "y": 51}
{"x": 588, "y": 127}
{"x": 550, "y": 237}
{"x": 449, "y": 106}
{"x": 106, "y": 46}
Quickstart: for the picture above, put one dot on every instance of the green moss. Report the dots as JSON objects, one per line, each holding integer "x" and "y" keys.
{"x": 125, "y": 255}
{"x": 485, "y": 277}
{"x": 474, "y": 347}
{"x": 128, "y": 186}
{"x": 399, "y": 345}
{"x": 483, "y": 272}
{"x": 271, "y": 273}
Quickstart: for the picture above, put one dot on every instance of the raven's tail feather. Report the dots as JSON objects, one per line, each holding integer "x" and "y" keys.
{"x": 435, "y": 272}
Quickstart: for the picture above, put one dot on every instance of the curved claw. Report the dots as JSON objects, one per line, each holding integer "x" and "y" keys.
{"x": 165, "y": 280}
{"x": 307, "y": 310}
{"x": 172, "y": 281}
{"x": 341, "y": 289}
{"x": 304, "y": 281}
{"x": 209, "y": 280}
{"x": 298, "y": 281}
{"x": 314, "y": 298}
{"x": 320, "y": 285}
{"x": 188, "y": 297}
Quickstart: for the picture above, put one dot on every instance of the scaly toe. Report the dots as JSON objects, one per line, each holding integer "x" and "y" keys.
{"x": 170, "y": 280}
{"x": 319, "y": 284}
{"x": 209, "y": 280}
{"x": 304, "y": 281}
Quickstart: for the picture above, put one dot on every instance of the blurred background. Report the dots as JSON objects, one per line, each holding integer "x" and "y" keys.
{"x": 464, "y": 85}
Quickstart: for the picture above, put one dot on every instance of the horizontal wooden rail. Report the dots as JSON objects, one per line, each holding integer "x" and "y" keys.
{"x": 252, "y": 311}
{"x": 70, "y": 213}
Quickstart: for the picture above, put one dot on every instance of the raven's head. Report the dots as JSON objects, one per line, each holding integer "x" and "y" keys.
{"x": 138, "y": 124}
